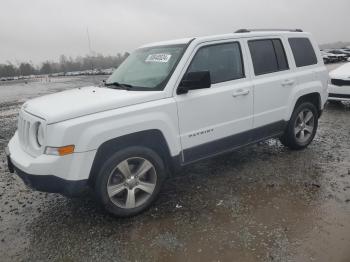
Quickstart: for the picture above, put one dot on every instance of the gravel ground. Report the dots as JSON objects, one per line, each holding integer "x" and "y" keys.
{"x": 261, "y": 203}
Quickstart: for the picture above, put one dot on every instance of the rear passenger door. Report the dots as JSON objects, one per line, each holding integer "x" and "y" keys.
{"x": 273, "y": 83}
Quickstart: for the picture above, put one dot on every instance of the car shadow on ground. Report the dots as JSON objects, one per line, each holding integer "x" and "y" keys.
{"x": 257, "y": 202}
{"x": 214, "y": 195}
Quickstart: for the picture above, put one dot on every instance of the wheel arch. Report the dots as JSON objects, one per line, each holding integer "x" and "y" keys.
{"x": 152, "y": 139}
{"x": 313, "y": 97}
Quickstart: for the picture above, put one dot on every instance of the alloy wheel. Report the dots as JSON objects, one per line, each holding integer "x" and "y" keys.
{"x": 132, "y": 182}
{"x": 304, "y": 126}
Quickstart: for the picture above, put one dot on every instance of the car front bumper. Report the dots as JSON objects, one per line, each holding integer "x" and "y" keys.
{"x": 339, "y": 93}
{"x": 48, "y": 183}
{"x": 67, "y": 175}
{"x": 338, "y": 97}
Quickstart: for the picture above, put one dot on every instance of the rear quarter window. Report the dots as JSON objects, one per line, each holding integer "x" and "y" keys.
{"x": 303, "y": 52}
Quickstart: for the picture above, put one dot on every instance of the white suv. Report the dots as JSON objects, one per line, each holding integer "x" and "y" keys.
{"x": 168, "y": 105}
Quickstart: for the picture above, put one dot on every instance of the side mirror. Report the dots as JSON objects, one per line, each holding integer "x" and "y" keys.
{"x": 194, "y": 80}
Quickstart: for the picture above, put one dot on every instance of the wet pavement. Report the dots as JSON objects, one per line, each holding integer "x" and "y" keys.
{"x": 261, "y": 203}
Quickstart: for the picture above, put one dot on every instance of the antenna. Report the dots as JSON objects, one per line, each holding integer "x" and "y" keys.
{"x": 89, "y": 41}
{"x": 90, "y": 50}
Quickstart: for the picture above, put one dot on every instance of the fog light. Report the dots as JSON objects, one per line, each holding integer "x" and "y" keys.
{"x": 60, "y": 151}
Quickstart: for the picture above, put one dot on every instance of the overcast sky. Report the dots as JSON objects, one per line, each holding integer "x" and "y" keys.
{"x": 37, "y": 30}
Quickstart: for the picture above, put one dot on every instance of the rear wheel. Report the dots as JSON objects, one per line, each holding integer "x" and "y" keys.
{"x": 302, "y": 127}
{"x": 130, "y": 181}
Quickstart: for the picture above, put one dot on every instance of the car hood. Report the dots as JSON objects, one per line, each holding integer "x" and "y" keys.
{"x": 84, "y": 101}
{"x": 342, "y": 72}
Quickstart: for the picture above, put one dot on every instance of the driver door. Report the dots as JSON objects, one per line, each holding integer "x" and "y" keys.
{"x": 216, "y": 119}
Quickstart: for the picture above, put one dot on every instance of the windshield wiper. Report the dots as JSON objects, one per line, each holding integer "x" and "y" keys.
{"x": 118, "y": 85}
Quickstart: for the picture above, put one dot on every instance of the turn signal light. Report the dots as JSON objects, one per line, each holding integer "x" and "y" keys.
{"x": 60, "y": 151}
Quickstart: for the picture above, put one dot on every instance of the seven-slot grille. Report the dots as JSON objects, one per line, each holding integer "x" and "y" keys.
{"x": 23, "y": 131}
{"x": 27, "y": 128}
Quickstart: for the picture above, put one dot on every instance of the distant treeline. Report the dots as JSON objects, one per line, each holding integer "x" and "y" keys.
{"x": 65, "y": 64}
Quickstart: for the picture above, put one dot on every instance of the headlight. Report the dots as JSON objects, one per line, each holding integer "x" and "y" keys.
{"x": 40, "y": 136}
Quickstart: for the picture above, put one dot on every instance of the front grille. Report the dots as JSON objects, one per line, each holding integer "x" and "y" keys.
{"x": 23, "y": 131}
{"x": 26, "y": 131}
{"x": 340, "y": 82}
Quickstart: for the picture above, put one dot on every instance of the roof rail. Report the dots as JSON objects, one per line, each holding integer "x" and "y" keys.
{"x": 263, "y": 30}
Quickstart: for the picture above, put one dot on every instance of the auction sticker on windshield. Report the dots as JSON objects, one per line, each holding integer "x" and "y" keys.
{"x": 158, "y": 58}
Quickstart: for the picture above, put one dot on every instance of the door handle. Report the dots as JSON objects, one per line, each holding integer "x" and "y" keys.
{"x": 241, "y": 92}
{"x": 288, "y": 82}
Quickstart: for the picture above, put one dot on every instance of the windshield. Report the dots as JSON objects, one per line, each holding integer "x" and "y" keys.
{"x": 147, "y": 68}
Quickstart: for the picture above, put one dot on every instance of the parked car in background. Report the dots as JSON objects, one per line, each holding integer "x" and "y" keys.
{"x": 339, "y": 88}
{"x": 170, "y": 104}
{"x": 339, "y": 54}
{"x": 345, "y": 51}
{"x": 330, "y": 58}
{"x": 325, "y": 57}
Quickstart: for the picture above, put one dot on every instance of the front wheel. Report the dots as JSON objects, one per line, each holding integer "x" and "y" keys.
{"x": 129, "y": 181}
{"x": 302, "y": 127}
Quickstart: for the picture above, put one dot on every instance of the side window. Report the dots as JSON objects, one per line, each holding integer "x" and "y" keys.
{"x": 223, "y": 61}
{"x": 268, "y": 56}
{"x": 303, "y": 52}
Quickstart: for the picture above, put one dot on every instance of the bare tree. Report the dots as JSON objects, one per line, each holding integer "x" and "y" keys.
{"x": 64, "y": 65}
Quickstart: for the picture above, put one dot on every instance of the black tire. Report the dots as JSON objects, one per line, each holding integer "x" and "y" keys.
{"x": 103, "y": 178}
{"x": 290, "y": 138}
